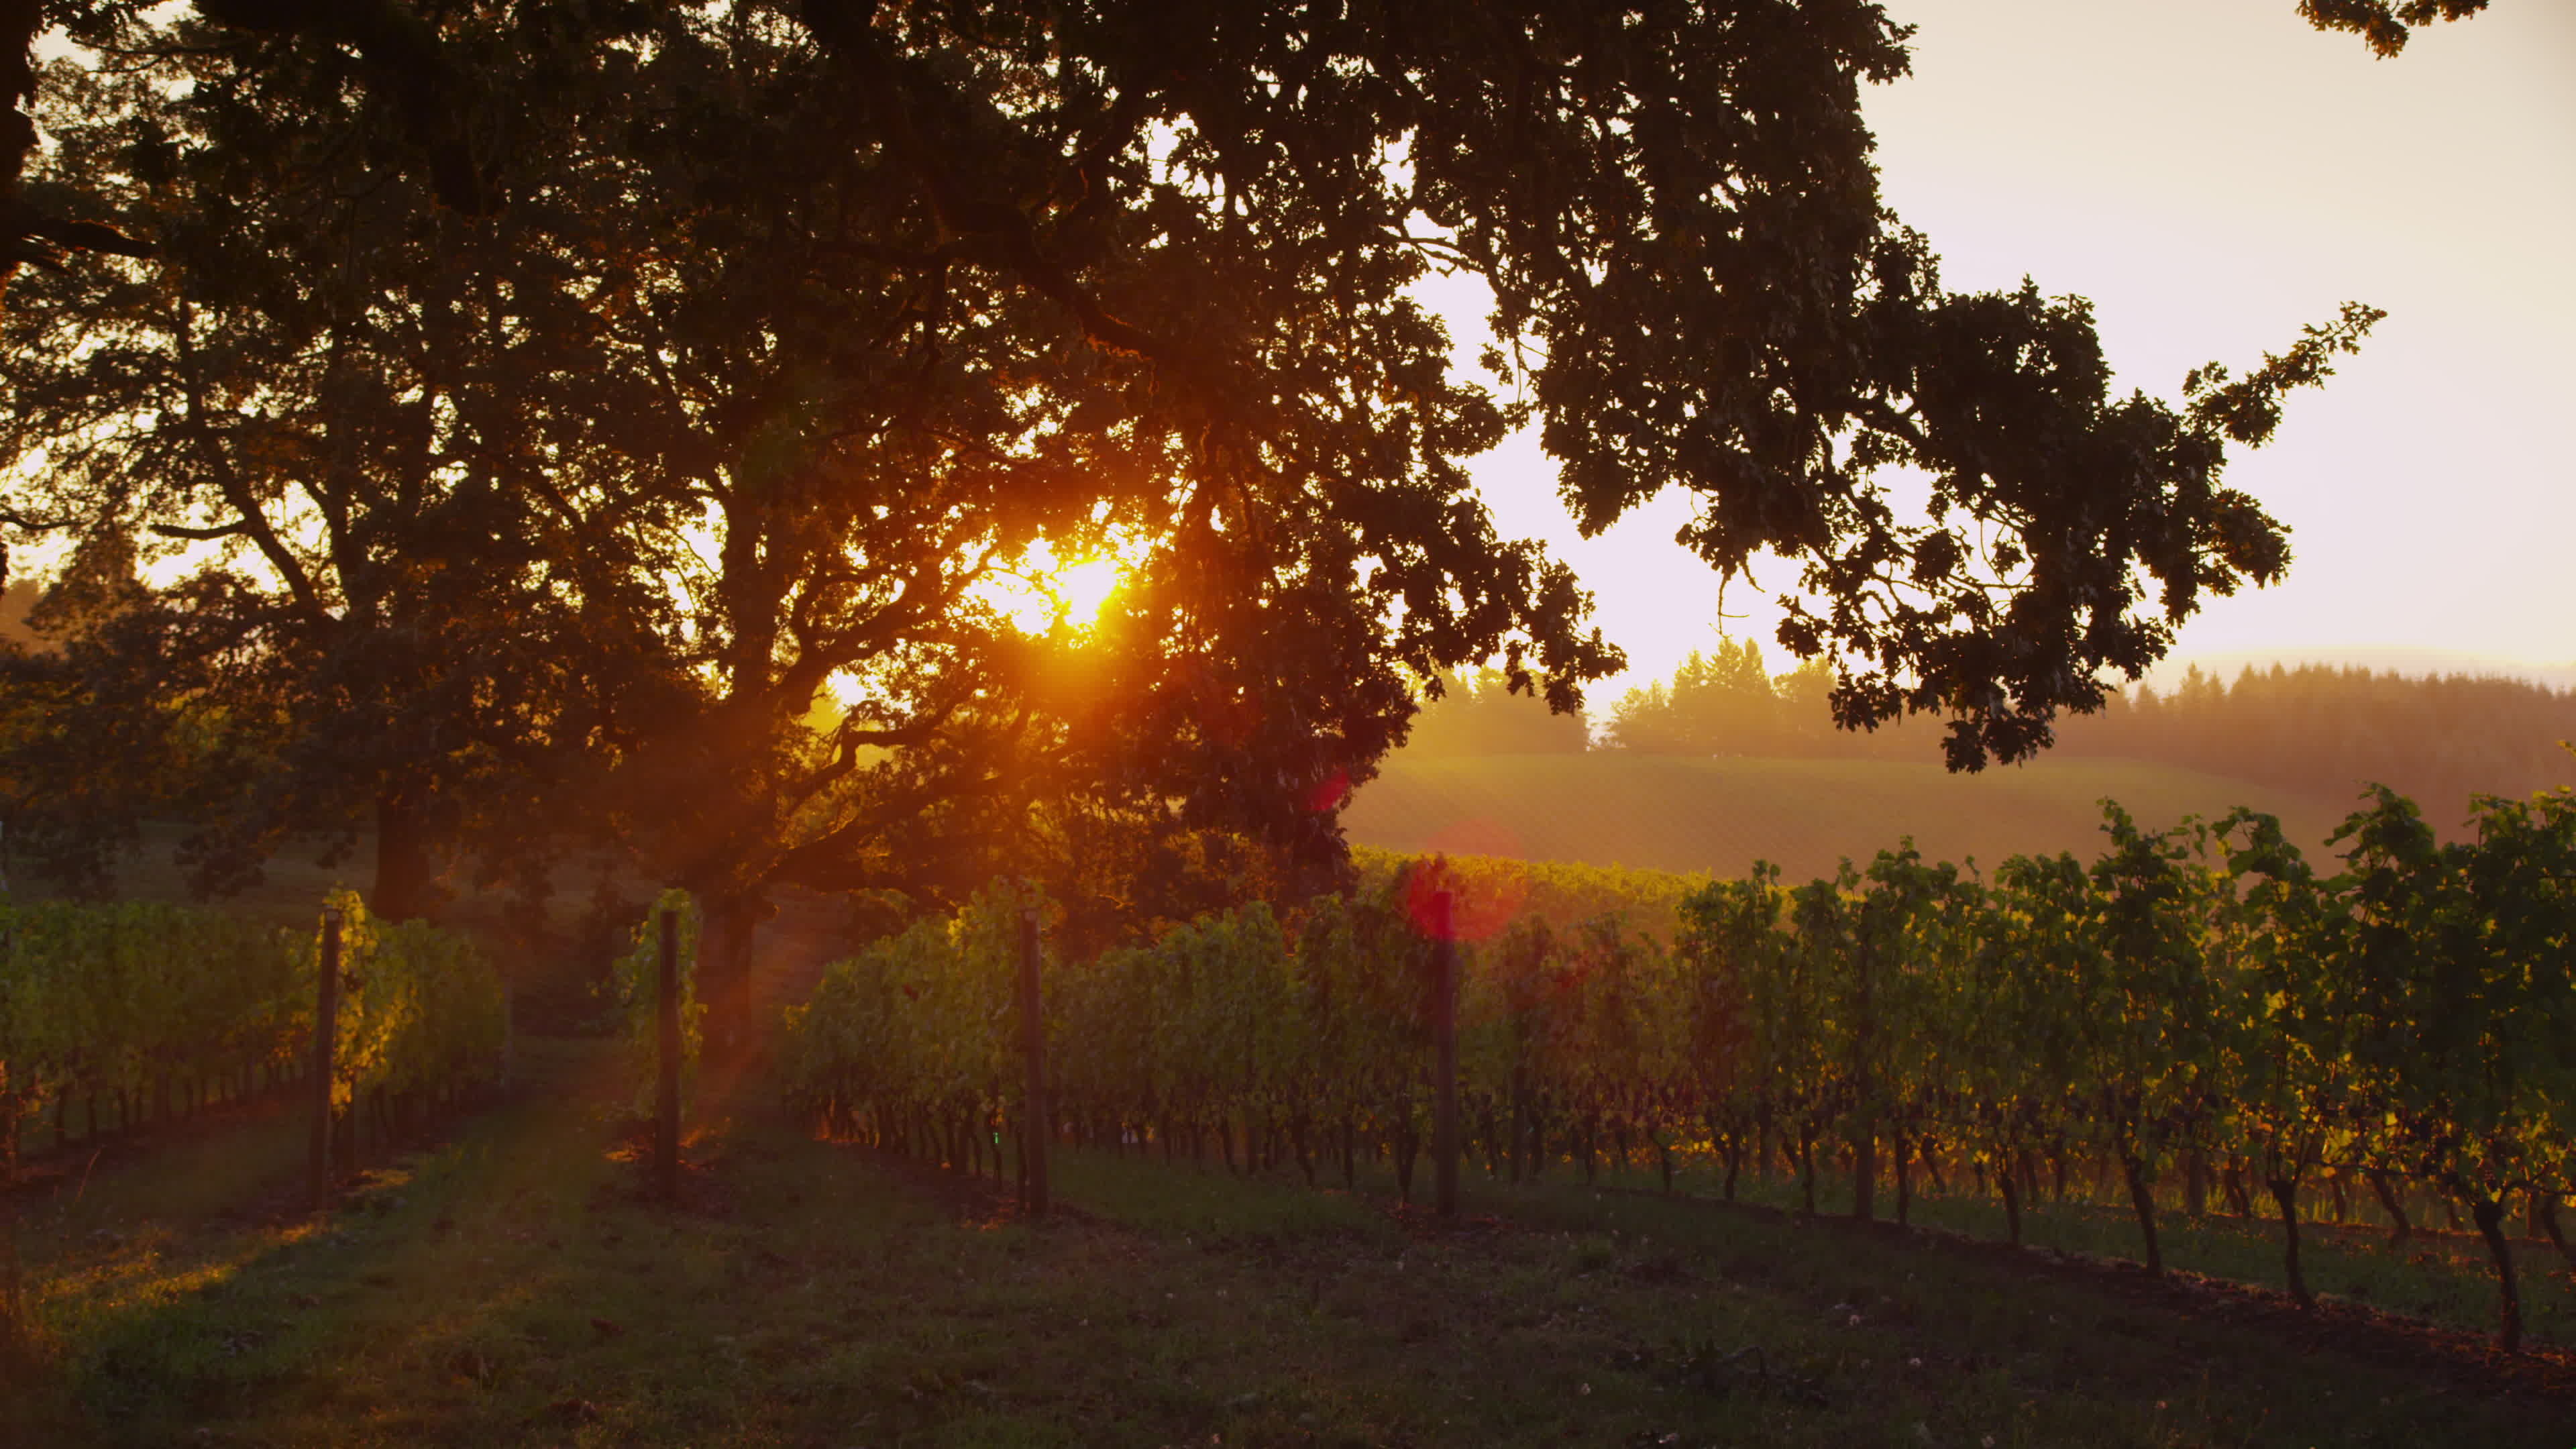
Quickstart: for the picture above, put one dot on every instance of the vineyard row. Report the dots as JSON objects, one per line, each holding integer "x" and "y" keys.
{"x": 154, "y": 1009}
{"x": 2200, "y": 1003}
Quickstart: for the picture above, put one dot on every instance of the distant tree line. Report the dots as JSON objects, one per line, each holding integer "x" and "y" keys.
{"x": 1477, "y": 714}
{"x": 1715, "y": 704}
{"x": 1726, "y": 703}
{"x": 2322, "y": 729}
{"x": 2318, "y": 729}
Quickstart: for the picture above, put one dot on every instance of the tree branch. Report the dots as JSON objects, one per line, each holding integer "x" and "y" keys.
{"x": 210, "y": 449}
{"x": 172, "y": 530}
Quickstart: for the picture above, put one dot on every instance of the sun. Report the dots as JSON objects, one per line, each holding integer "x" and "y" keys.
{"x": 1083, "y": 589}
{"x": 1043, "y": 594}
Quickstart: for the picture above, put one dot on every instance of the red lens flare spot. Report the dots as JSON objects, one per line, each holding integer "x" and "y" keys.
{"x": 1482, "y": 871}
{"x": 1329, "y": 793}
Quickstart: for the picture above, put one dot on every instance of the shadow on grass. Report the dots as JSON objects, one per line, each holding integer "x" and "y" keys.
{"x": 512, "y": 1287}
{"x": 191, "y": 1287}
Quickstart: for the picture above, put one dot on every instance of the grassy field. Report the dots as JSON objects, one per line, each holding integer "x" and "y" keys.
{"x": 1719, "y": 815}
{"x": 507, "y": 1286}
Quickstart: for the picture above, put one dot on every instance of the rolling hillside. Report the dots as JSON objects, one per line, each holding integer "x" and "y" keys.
{"x": 1718, "y": 815}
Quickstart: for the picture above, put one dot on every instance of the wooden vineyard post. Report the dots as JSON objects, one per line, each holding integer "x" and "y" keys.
{"x": 326, "y": 1029}
{"x": 9, "y": 1311}
{"x": 1444, "y": 1027}
{"x": 666, "y": 1100}
{"x": 1033, "y": 1109}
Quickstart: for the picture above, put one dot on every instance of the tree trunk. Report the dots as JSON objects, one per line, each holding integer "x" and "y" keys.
{"x": 2395, "y": 1207}
{"x": 9, "y": 1309}
{"x": 2012, "y": 1204}
{"x": 2285, "y": 1192}
{"x": 2546, "y": 1207}
{"x": 410, "y": 866}
{"x": 344, "y": 1139}
{"x": 1904, "y": 1180}
{"x": 2145, "y": 1206}
{"x": 725, "y": 928}
{"x": 1865, "y": 1173}
{"x": 2232, "y": 1182}
{"x": 1518, "y": 1147}
{"x": 1733, "y": 1146}
{"x": 2489, "y": 1216}
{"x": 1405, "y": 1147}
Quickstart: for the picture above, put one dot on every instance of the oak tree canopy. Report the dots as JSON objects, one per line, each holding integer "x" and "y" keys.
{"x": 734, "y": 349}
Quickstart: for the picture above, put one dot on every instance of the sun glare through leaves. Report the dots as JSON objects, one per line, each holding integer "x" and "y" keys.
{"x": 1045, "y": 594}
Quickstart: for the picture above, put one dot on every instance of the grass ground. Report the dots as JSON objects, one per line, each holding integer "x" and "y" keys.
{"x": 1718, "y": 815}
{"x": 507, "y": 1286}
{"x": 2439, "y": 1276}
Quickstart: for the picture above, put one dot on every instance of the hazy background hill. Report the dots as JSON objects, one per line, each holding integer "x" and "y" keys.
{"x": 1724, "y": 763}
{"x": 1664, "y": 812}
{"x": 2378, "y": 658}
{"x": 16, "y": 600}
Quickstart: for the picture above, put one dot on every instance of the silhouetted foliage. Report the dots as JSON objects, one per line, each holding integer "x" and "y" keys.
{"x": 306, "y": 409}
{"x": 456, "y": 137}
{"x": 2385, "y": 23}
{"x": 560, "y": 398}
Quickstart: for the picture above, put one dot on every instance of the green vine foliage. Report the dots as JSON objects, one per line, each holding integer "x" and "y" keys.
{"x": 419, "y": 1007}
{"x": 123, "y": 998}
{"x": 2194, "y": 999}
{"x": 132, "y": 1000}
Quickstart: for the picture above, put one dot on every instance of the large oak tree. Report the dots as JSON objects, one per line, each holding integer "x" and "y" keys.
{"x": 306, "y": 407}
{"x": 785, "y": 327}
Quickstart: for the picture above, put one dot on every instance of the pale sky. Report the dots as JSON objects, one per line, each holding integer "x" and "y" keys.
{"x": 2214, "y": 174}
